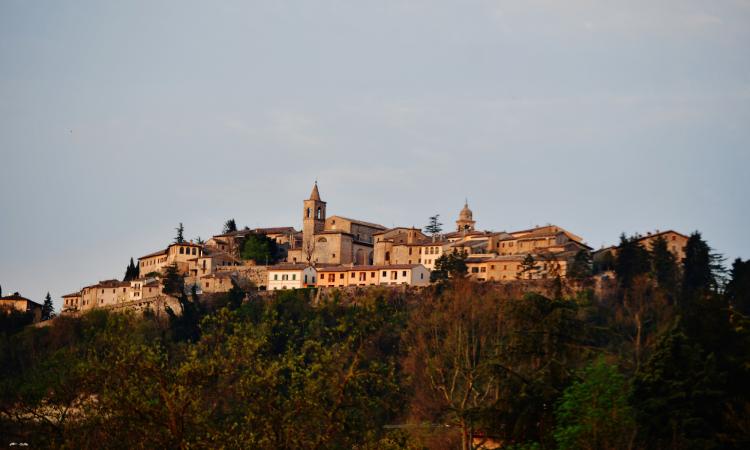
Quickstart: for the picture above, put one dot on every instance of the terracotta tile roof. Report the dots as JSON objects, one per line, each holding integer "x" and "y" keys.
{"x": 18, "y": 297}
{"x": 361, "y": 222}
{"x": 660, "y": 233}
{"x": 188, "y": 244}
{"x": 75, "y": 294}
{"x": 160, "y": 252}
{"x": 276, "y": 230}
{"x": 287, "y": 267}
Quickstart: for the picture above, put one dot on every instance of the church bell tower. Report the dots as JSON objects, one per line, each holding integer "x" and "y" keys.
{"x": 313, "y": 216}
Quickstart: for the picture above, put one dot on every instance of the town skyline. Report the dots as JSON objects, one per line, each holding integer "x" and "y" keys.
{"x": 120, "y": 120}
{"x": 448, "y": 227}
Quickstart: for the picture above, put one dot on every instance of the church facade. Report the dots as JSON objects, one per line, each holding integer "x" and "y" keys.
{"x": 333, "y": 240}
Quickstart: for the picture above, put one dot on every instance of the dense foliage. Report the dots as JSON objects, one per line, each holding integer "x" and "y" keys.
{"x": 658, "y": 361}
{"x": 260, "y": 248}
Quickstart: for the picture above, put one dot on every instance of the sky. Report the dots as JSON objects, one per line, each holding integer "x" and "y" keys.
{"x": 119, "y": 120}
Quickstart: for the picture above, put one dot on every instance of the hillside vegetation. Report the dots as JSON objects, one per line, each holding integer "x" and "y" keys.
{"x": 660, "y": 362}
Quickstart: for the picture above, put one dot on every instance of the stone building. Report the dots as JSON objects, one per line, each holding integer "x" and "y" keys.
{"x": 17, "y": 302}
{"x": 71, "y": 302}
{"x": 374, "y": 275}
{"x": 334, "y": 239}
{"x": 177, "y": 254}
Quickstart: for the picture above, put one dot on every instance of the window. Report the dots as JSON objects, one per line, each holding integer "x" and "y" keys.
{"x": 475, "y": 270}
{"x": 331, "y": 277}
{"x": 206, "y": 283}
{"x": 409, "y": 250}
{"x": 275, "y": 276}
{"x": 306, "y": 215}
{"x": 353, "y": 275}
{"x": 341, "y": 276}
{"x": 305, "y": 279}
{"x": 394, "y": 274}
{"x": 182, "y": 250}
{"x": 294, "y": 276}
{"x": 403, "y": 274}
{"x": 372, "y": 274}
{"x": 385, "y": 273}
{"x": 492, "y": 267}
{"x": 284, "y": 277}
{"x": 333, "y": 255}
{"x": 483, "y": 269}
{"x": 194, "y": 249}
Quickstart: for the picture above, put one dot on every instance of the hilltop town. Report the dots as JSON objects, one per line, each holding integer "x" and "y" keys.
{"x": 337, "y": 251}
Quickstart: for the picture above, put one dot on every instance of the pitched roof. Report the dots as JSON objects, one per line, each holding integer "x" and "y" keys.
{"x": 160, "y": 252}
{"x": 315, "y": 195}
{"x": 288, "y": 267}
{"x": 660, "y": 233}
{"x": 361, "y": 222}
{"x": 275, "y": 230}
{"x": 16, "y": 297}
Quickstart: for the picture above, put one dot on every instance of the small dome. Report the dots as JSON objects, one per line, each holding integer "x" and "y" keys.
{"x": 465, "y": 213}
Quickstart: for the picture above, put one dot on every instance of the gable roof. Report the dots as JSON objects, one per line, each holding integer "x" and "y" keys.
{"x": 361, "y": 222}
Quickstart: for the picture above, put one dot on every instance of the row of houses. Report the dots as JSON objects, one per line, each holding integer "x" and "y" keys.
{"x": 338, "y": 251}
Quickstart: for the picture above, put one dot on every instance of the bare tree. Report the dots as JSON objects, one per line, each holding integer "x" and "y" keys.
{"x": 308, "y": 250}
{"x": 453, "y": 341}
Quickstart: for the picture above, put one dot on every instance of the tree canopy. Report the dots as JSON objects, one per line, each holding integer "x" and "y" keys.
{"x": 434, "y": 226}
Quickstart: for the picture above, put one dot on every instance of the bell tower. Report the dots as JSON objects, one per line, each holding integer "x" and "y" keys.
{"x": 313, "y": 216}
{"x": 465, "y": 220}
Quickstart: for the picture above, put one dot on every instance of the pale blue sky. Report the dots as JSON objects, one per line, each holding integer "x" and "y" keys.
{"x": 120, "y": 119}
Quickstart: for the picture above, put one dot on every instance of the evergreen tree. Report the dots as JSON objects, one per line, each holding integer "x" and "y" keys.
{"x": 528, "y": 268}
{"x": 664, "y": 265}
{"x": 48, "y": 309}
{"x": 230, "y": 226}
{"x": 180, "y": 238}
{"x": 678, "y": 395}
{"x": 434, "y": 227}
{"x": 131, "y": 272}
{"x": 632, "y": 260}
{"x": 449, "y": 265}
{"x": 173, "y": 282}
{"x": 738, "y": 288}
{"x": 260, "y": 248}
{"x": 594, "y": 413}
{"x": 700, "y": 268}
{"x": 199, "y": 241}
{"x": 581, "y": 266}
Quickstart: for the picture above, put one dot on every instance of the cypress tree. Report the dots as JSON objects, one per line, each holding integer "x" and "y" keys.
{"x": 738, "y": 288}
{"x": 48, "y": 308}
{"x": 180, "y": 238}
{"x": 131, "y": 272}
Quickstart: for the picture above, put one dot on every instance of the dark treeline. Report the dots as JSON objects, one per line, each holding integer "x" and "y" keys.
{"x": 660, "y": 361}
